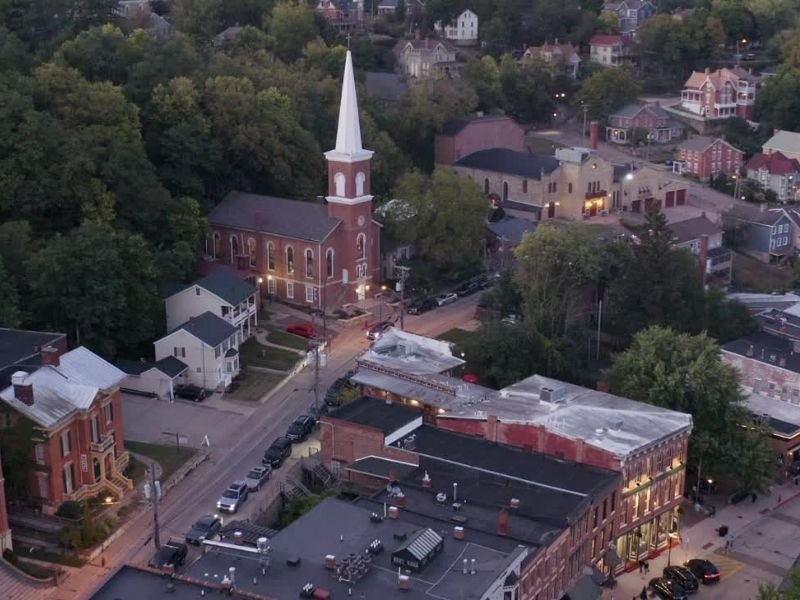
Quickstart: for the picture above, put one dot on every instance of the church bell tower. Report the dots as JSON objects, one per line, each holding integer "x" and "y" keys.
{"x": 349, "y": 198}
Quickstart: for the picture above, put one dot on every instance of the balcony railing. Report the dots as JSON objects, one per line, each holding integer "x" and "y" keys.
{"x": 103, "y": 445}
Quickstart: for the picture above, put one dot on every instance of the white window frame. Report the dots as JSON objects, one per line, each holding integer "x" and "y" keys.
{"x": 329, "y": 274}
{"x": 309, "y": 270}
{"x": 272, "y": 286}
{"x": 289, "y": 265}
{"x": 290, "y": 290}
{"x": 310, "y": 294}
{"x": 108, "y": 411}
{"x": 67, "y": 478}
{"x": 38, "y": 452}
{"x": 66, "y": 443}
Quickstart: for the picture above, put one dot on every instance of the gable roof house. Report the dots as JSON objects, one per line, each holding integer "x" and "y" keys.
{"x": 720, "y": 94}
{"x": 222, "y": 293}
{"x": 427, "y": 59}
{"x": 156, "y": 379}
{"x": 68, "y": 413}
{"x": 562, "y": 57}
{"x": 660, "y": 126}
{"x": 766, "y": 235}
{"x": 703, "y": 239}
{"x": 208, "y": 345}
{"x": 344, "y": 15}
{"x": 463, "y": 30}
{"x": 706, "y": 157}
{"x": 776, "y": 172}
{"x": 630, "y": 13}
{"x": 611, "y": 50}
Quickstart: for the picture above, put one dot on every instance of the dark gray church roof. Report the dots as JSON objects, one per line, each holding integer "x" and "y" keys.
{"x": 511, "y": 162}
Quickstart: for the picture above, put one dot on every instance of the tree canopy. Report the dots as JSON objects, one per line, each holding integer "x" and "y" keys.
{"x": 606, "y": 90}
{"x": 684, "y": 372}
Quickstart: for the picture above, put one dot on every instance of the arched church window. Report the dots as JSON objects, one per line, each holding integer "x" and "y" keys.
{"x": 361, "y": 251}
{"x": 361, "y": 179}
{"x": 309, "y": 263}
{"x": 329, "y": 263}
{"x": 270, "y": 256}
{"x": 251, "y": 250}
{"x": 217, "y": 244}
{"x": 234, "y": 248}
{"x": 339, "y": 182}
{"x": 289, "y": 260}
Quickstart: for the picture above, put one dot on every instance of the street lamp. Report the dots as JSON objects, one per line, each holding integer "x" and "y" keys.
{"x": 670, "y": 537}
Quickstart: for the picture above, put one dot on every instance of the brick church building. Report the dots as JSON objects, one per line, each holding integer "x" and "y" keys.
{"x": 322, "y": 254}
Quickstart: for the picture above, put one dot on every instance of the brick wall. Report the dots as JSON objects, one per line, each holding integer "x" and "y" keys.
{"x": 765, "y": 377}
{"x": 479, "y": 135}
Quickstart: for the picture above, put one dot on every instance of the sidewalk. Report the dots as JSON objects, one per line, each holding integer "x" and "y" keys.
{"x": 701, "y": 539}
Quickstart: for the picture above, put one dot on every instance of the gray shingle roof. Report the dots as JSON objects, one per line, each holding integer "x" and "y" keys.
{"x": 692, "y": 229}
{"x": 171, "y": 366}
{"x": 698, "y": 143}
{"x": 511, "y": 162}
{"x": 511, "y": 229}
{"x": 208, "y": 328}
{"x": 227, "y": 286}
{"x": 279, "y": 216}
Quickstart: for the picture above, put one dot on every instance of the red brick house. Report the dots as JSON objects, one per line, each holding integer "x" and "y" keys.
{"x": 321, "y": 254}
{"x": 706, "y": 157}
{"x": 660, "y": 126}
{"x": 69, "y": 412}
{"x": 720, "y": 94}
{"x": 464, "y": 137}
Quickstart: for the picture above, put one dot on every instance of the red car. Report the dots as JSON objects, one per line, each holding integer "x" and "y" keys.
{"x": 305, "y": 330}
{"x": 470, "y": 378}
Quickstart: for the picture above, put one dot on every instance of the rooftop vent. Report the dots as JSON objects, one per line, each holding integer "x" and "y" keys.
{"x": 22, "y": 391}
{"x": 618, "y": 423}
{"x": 406, "y": 348}
{"x": 552, "y": 394}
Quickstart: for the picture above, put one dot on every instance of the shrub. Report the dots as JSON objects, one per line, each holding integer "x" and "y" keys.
{"x": 70, "y": 510}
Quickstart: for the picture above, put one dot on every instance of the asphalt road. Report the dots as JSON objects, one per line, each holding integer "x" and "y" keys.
{"x": 198, "y": 493}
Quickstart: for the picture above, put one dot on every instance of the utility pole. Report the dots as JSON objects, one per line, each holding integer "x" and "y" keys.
{"x": 599, "y": 322}
{"x": 583, "y": 134}
{"x": 152, "y": 491}
{"x": 177, "y": 435}
{"x": 403, "y": 272}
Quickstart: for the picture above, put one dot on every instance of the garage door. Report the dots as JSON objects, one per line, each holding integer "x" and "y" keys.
{"x": 669, "y": 201}
{"x": 680, "y": 197}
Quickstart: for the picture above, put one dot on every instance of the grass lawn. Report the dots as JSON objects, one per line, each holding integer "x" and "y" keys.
{"x": 254, "y": 354}
{"x": 135, "y": 471}
{"x": 254, "y": 385}
{"x": 283, "y": 338}
{"x": 542, "y": 145}
{"x": 751, "y": 275}
{"x": 166, "y": 456}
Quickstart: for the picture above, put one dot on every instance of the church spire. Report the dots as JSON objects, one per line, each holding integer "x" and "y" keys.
{"x": 348, "y": 134}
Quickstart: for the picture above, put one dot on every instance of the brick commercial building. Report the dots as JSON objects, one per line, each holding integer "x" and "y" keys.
{"x": 563, "y": 511}
{"x": 319, "y": 254}
{"x": 68, "y": 413}
{"x": 646, "y": 444}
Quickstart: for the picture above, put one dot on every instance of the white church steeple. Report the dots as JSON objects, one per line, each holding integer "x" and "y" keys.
{"x": 348, "y": 134}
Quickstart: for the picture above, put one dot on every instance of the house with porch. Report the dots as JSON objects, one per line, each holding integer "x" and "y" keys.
{"x": 463, "y": 31}
{"x": 658, "y": 125}
{"x": 68, "y": 415}
{"x": 611, "y": 50}
{"x": 720, "y": 94}
{"x": 776, "y": 172}
{"x": 208, "y": 345}
{"x": 230, "y": 297}
{"x": 427, "y": 59}
{"x": 630, "y": 13}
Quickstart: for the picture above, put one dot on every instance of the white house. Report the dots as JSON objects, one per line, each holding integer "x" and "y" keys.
{"x": 785, "y": 142}
{"x": 464, "y": 31}
{"x": 222, "y": 294}
{"x": 153, "y": 378}
{"x": 208, "y": 345}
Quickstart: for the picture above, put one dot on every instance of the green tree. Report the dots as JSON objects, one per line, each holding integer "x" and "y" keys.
{"x": 727, "y": 320}
{"x": 484, "y": 77}
{"x": 449, "y": 215}
{"x": 9, "y": 300}
{"x": 685, "y": 373}
{"x": 736, "y": 18}
{"x": 778, "y": 101}
{"x": 528, "y": 89}
{"x": 659, "y": 285}
{"x": 607, "y": 90}
{"x": 291, "y": 26}
{"x": 400, "y": 10}
{"x": 104, "y": 53}
{"x": 608, "y": 22}
{"x": 99, "y": 285}
{"x": 555, "y": 269}
{"x": 791, "y": 588}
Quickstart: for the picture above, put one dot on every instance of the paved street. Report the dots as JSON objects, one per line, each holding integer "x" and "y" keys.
{"x": 238, "y": 438}
{"x": 766, "y": 541}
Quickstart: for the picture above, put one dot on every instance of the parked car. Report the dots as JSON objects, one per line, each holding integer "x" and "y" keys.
{"x": 376, "y": 331}
{"x": 666, "y": 590}
{"x": 468, "y": 288}
{"x": 278, "y": 452}
{"x": 234, "y": 497}
{"x": 422, "y": 305}
{"x": 204, "y": 528}
{"x": 257, "y": 476}
{"x": 704, "y": 570}
{"x": 511, "y": 319}
{"x": 190, "y": 392}
{"x": 305, "y": 330}
{"x": 683, "y": 577}
{"x": 470, "y": 378}
{"x": 170, "y": 555}
{"x": 300, "y": 429}
{"x": 443, "y": 299}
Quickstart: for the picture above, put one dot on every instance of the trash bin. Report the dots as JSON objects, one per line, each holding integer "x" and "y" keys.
{"x": 723, "y": 531}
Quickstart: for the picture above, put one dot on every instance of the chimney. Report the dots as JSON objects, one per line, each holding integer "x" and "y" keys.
{"x": 707, "y": 71}
{"x": 394, "y": 512}
{"x": 426, "y": 480}
{"x": 594, "y": 134}
{"x": 22, "y": 391}
{"x": 50, "y": 355}
{"x": 458, "y": 532}
{"x": 400, "y": 500}
{"x": 502, "y": 522}
{"x": 404, "y": 582}
{"x": 238, "y": 538}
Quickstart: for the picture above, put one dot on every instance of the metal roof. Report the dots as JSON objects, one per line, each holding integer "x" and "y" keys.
{"x": 785, "y": 141}
{"x": 422, "y": 544}
{"x": 410, "y": 353}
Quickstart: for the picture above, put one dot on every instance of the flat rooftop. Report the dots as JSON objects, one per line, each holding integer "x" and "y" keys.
{"x": 132, "y": 583}
{"x": 605, "y": 421}
{"x": 766, "y": 348}
{"x": 782, "y": 417}
{"x": 386, "y": 417}
{"x": 410, "y": 353}
{"x": 343, "y": 529}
